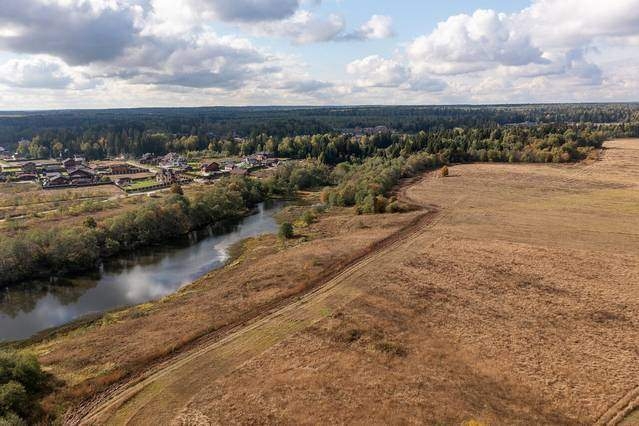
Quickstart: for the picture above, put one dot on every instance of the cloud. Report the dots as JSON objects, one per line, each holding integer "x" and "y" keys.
{"x": 305, "y": 27}
{"x": 470, "y": 43}
{"x": 575, "y": 23}
{"x": 250, "y": 10}
{"x": 378, "y": 27}
{"x": 36, "y": 73}
{"x": 204, "y": 60}
{"x": 375, "y": 71}
{"x": 305, "y": 86}
{"x": 77, "y": 31}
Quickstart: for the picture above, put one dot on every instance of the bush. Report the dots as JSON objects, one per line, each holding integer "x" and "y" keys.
{"x": 308, "y": 217}
{"x": 22, "y": 381}
{"x": 286, "y": 231}
{"x": 176, "y": 188}
{"x": 90, "y": 222}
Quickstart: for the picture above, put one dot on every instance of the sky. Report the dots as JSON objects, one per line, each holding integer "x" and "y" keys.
{"x": 136, "y": 53}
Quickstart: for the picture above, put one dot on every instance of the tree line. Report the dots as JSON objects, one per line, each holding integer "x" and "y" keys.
{"x": 235, "y": 131}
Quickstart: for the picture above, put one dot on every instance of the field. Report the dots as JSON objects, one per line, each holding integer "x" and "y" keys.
{"x": 26, "y": 206}
{"x": 28, "y": 201}
{"x": 511, "y": 298}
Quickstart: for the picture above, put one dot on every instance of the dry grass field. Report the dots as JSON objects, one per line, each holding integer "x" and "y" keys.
{"x": 516, "y": 301}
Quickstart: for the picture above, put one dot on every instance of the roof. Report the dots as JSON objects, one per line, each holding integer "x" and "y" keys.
{"x": 82, "y": 169}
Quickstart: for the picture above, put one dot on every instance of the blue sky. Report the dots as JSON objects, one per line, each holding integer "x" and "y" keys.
{"x": 120, "y": 53}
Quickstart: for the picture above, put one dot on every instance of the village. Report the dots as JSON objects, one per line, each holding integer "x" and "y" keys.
{"x": 147, "y": 173}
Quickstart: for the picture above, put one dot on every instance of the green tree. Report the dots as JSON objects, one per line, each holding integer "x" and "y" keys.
{"x": 286, "y": 231}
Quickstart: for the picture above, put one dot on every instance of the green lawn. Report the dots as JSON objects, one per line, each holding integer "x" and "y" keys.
{"x": 141, "y": 184}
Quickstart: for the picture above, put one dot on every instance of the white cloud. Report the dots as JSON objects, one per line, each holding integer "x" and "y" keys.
{"x": 472, "y": 43}
{"x": 304, "y": 27}
{"x": 375, "y": 71}
{"x": 378, "y": 27}
{"x": 40, "y": 72}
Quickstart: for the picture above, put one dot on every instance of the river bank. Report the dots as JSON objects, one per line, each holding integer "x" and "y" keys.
{"x": 127, "y": 280}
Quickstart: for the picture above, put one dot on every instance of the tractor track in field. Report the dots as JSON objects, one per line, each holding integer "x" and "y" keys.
{"x": 616, "y": 413}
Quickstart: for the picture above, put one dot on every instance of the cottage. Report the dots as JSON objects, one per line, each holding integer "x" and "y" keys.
{"x": 56, "y": 179}
{"x": 210, "y": 167}
{"x": 228, "y": 166}
{"x": 263, "y": 156}
{"x": 166, "y": 177}
{"x": 173, "y": 160}
{"x": 124, "y": 181}
{"x": 52, "y": 168}
{"x": 251, "y": 162}
{"x": 82, "y": 181}
{"x": 120, "y": 169}
{"x": 24, "y": 177}
{"x": 68, "y": 163}
{"x": 82, "y": 173}
{"x": 239, "y": 172}
{"x": 29, "y": 167}
{"x": 271, "y": 162}
{"x": 79, "y": 160}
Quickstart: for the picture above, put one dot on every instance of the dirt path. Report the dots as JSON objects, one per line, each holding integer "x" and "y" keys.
{"x": 160, "y": 393}
{"x": 625, "y": 412}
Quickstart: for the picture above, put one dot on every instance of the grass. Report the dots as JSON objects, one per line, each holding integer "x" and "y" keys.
{"x": 142, "y": 184}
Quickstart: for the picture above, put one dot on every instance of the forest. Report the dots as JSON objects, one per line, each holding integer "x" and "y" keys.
{"x": 98, "y": 134}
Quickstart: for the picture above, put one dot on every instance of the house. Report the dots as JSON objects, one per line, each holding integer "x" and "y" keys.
{"x": 82, "y": 173}
{"x": 79, "y": 160}
{"x": 56, "y": 179}
{"x": 82, "y": 181}
{"x": 263, "y": 156}
{"x": 166, "y": 177}
{"x": 228, "y": 166}
{"x": 124, "y": 181}
{"x": 210, "y": 167}
{"x": 148, "y": 158}
{"x": 29, "y": 167}
{"x": 251, "y": 162}
{"x": 68, "y": 163}
{"x": 121, "y": 169}
{"x": 239, "y": 172}
{"x": 271, "y": 162}
{"x": 24, "y": 177}
{"x": 173, "y": 160}
{"x": 52, "y": 168}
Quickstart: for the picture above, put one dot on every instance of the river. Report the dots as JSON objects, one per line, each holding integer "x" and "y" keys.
{"x": 128, "y": 280}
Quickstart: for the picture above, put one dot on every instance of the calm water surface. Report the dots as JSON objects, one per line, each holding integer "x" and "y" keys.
{"x": 137, "y": 278}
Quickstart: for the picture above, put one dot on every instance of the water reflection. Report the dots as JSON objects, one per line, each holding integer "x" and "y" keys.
{"x": 138, "y": 278}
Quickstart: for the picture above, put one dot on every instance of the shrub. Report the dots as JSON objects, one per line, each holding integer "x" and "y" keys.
{"x": 286, "y": 231}
{"x": 90, "y": 222}
{"x": 308, "y": 217}
{"x": 176, "y": 188}
{"x": 22, "y": 381}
